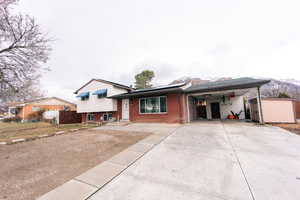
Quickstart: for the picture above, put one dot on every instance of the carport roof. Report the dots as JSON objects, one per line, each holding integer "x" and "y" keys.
{"x": 239, "y": 83}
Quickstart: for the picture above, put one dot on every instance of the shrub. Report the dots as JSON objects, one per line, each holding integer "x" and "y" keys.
{"x": 36, "y": 116}
{"x": 283, "y": 95}
{"x": 12, "y": 119}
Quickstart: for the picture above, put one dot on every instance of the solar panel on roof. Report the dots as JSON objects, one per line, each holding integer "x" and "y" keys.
{"x": 159, "y": 87}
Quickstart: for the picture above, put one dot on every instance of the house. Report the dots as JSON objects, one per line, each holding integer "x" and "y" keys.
{"x": 177, "y": 103}
{"x": 3, "y": 113}
{"x": 93, "y": 102}
{"x": 24, "y": 109}
{"x": 275, "y": 110}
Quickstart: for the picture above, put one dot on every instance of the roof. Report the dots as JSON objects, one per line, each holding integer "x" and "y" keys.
{"x": 39, "y": 99}
{"x": 154, "y": 90}
{"x": 238, "y": 83}
{"x": 273, "y": 99}
{"x": 105, "y": 81}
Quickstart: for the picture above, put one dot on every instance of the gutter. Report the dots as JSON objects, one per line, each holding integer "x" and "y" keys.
{"x": 153, "y": 92}
{"x": 221, "y": 88}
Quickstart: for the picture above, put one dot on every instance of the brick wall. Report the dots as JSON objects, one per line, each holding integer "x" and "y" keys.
{"x": 98, "y": 116}
{"x": 176, "y": 112}
{"x": 26, "y": 110}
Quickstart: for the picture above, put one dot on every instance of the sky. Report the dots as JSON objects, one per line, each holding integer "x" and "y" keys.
{"x": 116, "y": 39}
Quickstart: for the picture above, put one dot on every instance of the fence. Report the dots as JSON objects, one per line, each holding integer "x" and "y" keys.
{"x": 297, "y": 109}
{"x": 69, "y": 117}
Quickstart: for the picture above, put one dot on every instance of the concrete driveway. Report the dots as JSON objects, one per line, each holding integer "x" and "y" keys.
{"x": 214, "y": 160}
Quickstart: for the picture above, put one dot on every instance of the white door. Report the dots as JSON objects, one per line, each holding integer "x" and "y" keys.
{"x": 125, "y": 109}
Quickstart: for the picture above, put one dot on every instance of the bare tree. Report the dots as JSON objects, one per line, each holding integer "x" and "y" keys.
{"x": 29, "y": 90}
{"x": 24, "y": 50}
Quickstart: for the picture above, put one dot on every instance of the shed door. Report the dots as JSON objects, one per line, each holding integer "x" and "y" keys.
{"x": 125, "y": 109}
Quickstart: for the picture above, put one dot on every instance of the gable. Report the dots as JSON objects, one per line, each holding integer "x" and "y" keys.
{"x": 116, "y": 85}
{"x": 95, "y": 85}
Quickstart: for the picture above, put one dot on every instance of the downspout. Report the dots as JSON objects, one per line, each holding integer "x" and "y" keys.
{"x": 180, "y": 108}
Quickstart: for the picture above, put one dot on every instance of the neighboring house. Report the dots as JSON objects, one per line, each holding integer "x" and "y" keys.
{"x": 24, "y": 109}
{"x": 3, "y": 114}
{"x": 275, "y": 110}
{"x": 177, "y": 103}
{"x": 93, "y": 102}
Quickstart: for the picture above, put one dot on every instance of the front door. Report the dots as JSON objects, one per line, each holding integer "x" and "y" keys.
{"x": 125, "y": 109}
{"x": 201, "y": 112}
{"x": 215, "y": 110}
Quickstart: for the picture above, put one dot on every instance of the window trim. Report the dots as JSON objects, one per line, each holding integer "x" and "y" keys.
{"x": 155, "y": 113}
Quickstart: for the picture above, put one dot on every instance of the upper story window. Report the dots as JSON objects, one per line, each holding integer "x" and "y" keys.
{"x": 153, "y": 105}
{"x": 101, "y": 93}
{"x": 84, "y": 96}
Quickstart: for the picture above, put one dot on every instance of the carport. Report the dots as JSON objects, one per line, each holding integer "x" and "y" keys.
{"x": 222, "y": 99}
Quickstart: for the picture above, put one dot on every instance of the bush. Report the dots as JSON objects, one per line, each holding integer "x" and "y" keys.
{"x": 12, "y": 119}
{"x": 283, "y": 95}
{"x": 36, "y": 116}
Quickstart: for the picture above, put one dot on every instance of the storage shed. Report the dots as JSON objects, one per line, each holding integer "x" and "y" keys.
{"x": 275, "y": 110}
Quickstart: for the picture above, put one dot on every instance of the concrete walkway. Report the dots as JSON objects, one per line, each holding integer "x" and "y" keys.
{"x": 213, "y": 160}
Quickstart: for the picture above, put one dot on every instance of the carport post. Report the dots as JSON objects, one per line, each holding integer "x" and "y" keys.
{"x": 188, "y": 109}
{"x": 261, "y": 119}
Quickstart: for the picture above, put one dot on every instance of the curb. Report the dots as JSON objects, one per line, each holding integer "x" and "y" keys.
{"x": 19, "y": 140}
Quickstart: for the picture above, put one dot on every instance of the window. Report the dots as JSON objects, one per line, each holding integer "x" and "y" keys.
{"x": 85, "y": 98}
{"x": 90, "y": 117}
{"x": 102, "y": 95}
{"x": 107, "y": 116}
{"x": 67, "y": 108}
{"x": 153, "y": 105}
{"x": 35, "y": 108}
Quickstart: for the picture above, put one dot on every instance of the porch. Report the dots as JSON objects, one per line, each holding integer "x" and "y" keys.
{"x": 221, "y": 105}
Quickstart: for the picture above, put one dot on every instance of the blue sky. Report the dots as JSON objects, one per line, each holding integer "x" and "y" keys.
{"x": 116, "y": 39}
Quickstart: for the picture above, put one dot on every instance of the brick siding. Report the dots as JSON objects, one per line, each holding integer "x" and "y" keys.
{"x": 176, "y": 112}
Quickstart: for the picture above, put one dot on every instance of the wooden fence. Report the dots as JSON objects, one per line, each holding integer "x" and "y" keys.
{"x": 69, "y": 117}
{"x": 297, "y": 109}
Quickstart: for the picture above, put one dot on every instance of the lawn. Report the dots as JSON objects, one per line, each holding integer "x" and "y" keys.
{"x": 10, "y": 131}
{"x": 33, "y": 168}
{"x": 295, "y": 128}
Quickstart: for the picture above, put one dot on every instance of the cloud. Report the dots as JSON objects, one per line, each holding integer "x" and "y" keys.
{"x": 115, "y": 40}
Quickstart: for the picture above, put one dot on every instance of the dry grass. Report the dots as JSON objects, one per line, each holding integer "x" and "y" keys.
{"x": 10, "y": 131}
{"x": 30, "y": 169}
{"x": 295, "y": 128}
